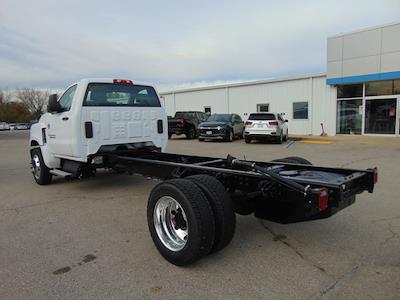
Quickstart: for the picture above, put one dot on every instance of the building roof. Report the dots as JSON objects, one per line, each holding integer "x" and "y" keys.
{"x": 245, "y": 83}
{"x": 364, "y": 29}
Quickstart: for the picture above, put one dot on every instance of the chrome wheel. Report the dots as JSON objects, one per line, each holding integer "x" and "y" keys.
{"x": 36, "y": 168}
{"x": 171, "y": 224}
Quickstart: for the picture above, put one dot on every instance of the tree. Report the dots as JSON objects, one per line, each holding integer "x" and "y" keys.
{"x": 14, "y": 111}
{"x": 34, "y": 100}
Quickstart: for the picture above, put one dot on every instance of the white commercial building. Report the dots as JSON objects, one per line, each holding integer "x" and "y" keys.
{"x": 359, "y": 94}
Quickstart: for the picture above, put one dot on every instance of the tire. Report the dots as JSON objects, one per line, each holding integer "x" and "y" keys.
{"x": 247, "y": 140}
{"x": 222, "y": 206}
{"x": 286, "y": 137}
{"x": 169, "y": 135}
{"x": 191, "y": 133}
{"x": 40, "y": 172}
{"x": 195, "y": 217}
{"x": 201, "y": 140}
{"x": 280, "y": 139}
{"x": 293, "y": 160}
{"x": 229, "y": 135}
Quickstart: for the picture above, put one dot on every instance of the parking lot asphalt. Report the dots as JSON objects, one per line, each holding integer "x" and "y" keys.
{"x": 88, "y": 239}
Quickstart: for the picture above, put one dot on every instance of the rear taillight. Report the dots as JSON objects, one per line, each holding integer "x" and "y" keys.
{"x": 375, "y": 175}
{"x": 123, "y": 81}
{"x": 323, "y": 199}
{"x": 248, "y": 123}
{"x": 181, "y": 122}
{"x": 273, "y": 123}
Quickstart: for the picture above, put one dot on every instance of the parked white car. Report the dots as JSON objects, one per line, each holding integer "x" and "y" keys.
{"x": 4, "y": 126}
{"x": 21, "y": 126}
{"x": 264, "y": 126}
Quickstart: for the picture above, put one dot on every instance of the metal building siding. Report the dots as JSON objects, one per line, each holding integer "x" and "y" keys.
{"x": 365, "y": 55}
{"x": 324, "y": 107}
{"x": 280, "y": 95}
{"x": 197, "y": 100}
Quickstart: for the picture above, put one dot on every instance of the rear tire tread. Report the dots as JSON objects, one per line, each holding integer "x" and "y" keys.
{"x": 222, "y": 206}
{"x": 200, "y": 218}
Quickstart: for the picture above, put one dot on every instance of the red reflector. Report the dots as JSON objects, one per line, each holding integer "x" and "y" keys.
{"x": 248, "y": 123}
{"x": 275, "y": 123}
{"x": 323, "y": 199}
{"x": 375, "y": 175}
{"x": 123, "y": 81}
{"x": 273, "y": 133}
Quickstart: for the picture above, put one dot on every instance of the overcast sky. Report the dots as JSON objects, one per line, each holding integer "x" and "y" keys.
{"x": 50, "y": 44}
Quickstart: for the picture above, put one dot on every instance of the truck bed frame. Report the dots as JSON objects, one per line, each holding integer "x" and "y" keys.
{"x": 278, "y": 191}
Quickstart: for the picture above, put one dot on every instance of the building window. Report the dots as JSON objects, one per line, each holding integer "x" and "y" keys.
{"x": 379, "y": 88}
{"x": 263, "y": 107}
{"x": 396, "y": 87}
{"x": 300, "y": 110}
{"x": 207, "y": 110}
{"x": 349, "y": 90}
{"x": 349, "y": 116}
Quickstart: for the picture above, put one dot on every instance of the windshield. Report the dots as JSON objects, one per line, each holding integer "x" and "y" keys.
{"x": 116, "y": 94}
{"x": 182, "y": 115}
{"x": 220, "y": 118}
{"x": 262, "y": 117}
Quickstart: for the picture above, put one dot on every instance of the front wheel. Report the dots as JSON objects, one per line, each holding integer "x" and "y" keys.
{"x": 247, "y": 140}
{"x": 41, "y": 173}
{"x": 181, "y": 221}
{"x": 191, "y": 133}
{"x": 229, "y": 137}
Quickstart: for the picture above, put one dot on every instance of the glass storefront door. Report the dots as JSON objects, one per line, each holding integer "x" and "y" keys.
{"x": 349, "y": 116}
{"x": 380, "y": 116}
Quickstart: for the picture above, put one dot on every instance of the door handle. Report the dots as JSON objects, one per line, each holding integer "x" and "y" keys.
{"x": 65, "y": 118}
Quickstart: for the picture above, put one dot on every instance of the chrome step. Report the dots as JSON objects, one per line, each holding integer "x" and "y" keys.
{"x": 61, "y": 173}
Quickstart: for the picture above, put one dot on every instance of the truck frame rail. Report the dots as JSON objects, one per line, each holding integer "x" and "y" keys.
{"x": 279, "y": 191}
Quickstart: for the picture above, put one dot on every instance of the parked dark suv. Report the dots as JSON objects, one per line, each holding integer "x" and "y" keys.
{"x": 221, "y": 127}
{"x": 186, "y": 122}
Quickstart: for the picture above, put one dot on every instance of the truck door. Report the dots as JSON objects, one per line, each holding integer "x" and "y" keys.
{"x": 60, "y": 129}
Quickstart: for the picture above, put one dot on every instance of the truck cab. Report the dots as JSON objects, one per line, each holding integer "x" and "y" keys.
{"x": 95, "y": 116}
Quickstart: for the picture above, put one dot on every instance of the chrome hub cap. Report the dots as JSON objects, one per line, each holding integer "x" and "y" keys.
{"x": 170, "y": 223}
{"x": 36, "y": 166}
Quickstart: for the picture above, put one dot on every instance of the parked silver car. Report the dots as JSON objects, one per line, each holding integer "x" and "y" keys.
{"x": 264, "y": 126}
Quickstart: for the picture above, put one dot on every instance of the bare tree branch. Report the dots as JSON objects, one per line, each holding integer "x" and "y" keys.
{"x": 35, "y": 100}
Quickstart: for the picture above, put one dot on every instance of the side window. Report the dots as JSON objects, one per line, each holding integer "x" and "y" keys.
{"x": 300, "y": 110}
{"x": 280, "y": 118}
{"x": 66, "y": 99}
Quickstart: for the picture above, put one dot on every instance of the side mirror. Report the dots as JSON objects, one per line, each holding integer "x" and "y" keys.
{"x": 286, "y": 121}
{"x": 53, "y": 105}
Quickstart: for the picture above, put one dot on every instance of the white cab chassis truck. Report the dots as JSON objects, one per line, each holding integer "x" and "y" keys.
{"x": 121, "y": 125}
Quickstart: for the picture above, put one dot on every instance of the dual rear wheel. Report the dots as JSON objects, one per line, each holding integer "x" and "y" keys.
{"x": 190, "y": 218}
